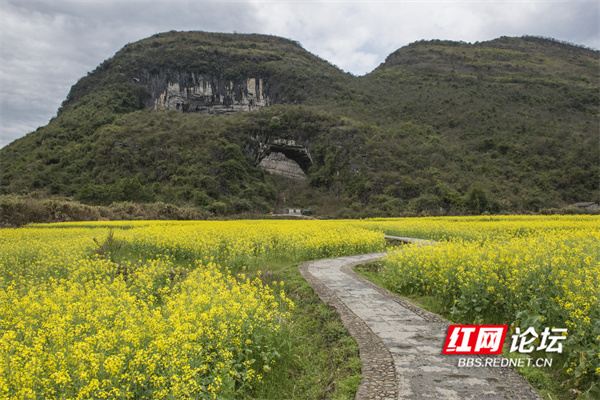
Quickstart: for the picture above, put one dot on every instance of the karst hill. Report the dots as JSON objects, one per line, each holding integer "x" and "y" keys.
{"x": 234, "y": 123}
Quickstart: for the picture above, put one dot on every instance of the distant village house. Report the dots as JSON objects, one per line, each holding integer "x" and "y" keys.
{"x": 296, "y": 211}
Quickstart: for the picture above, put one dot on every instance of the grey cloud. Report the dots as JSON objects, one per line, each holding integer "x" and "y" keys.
{"x": 47, "y": 45}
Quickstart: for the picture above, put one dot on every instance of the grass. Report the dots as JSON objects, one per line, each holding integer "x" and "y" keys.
{"x": 545, "y": 382}
{"x": 321, "y": 360}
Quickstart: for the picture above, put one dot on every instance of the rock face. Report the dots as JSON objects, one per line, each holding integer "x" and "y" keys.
{"x": 207, "y": 94}
{"x": 286, "y": 157}
{"x": 278, "y": 164}
{"x": 190, "y": 92}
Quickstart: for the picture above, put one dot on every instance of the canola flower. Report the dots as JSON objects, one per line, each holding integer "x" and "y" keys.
{"x": 527, "y": 271}
{"x": 100, "y": 340}
{"x": 176, "y": 319}
{"x": 170, "y": 319}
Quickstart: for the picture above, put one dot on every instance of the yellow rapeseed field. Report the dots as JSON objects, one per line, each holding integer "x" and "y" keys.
{"x": 155, "y": 309}
{"x": 522, "y": 271}
{"x": 150, "y": 309}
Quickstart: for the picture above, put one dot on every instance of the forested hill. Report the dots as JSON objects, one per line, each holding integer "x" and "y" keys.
{"x": 202, "y": 119}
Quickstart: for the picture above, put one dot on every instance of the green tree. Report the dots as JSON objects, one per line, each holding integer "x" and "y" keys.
{"x": 476, "y": 200}
{"x": 128, "y": 189}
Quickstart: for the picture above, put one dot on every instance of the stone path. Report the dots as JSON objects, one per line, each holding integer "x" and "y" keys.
{"x": 400, "y": 343}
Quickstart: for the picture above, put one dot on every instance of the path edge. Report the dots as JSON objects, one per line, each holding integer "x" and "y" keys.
{"x": 379, "y": 376}
{"x": 379, "y": 379}
{"x": 421, "y": 312}
{"x": 509, "y": 374}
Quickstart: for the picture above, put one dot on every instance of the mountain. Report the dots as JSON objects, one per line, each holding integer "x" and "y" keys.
{"x": 233, "y": 123}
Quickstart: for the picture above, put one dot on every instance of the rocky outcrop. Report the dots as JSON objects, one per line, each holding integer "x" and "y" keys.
{"x": 190, "y": 92}
{"x": 284, "y": 154}
{"x": 286, "y": 157}
{"x": 207, "y": 94}
{"x": 278, "y": 164}
{"x": 292, "y": 149}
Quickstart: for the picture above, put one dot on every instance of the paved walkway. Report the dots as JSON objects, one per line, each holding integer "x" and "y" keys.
{"x": 400, "y": 343}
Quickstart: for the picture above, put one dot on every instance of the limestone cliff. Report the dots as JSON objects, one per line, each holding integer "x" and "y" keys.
{"x": 191, "y": 92}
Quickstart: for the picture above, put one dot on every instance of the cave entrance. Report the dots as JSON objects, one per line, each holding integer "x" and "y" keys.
{"x": 291, "y": 162}
{"x": 298, "y": 154}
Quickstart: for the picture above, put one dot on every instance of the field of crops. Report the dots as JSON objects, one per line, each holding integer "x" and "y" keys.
{"x": 150, "y": 309}
{"x": 155, "y": 309}
{"x": 522, "y": 271}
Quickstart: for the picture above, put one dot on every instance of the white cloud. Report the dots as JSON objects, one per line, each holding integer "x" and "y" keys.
{"x": 48, "y": 45}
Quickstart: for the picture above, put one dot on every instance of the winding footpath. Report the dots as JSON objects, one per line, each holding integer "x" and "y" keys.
{"x": 400, "y": 343}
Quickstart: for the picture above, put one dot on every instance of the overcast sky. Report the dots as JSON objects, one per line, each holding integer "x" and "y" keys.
{"x": 48, "y": 45}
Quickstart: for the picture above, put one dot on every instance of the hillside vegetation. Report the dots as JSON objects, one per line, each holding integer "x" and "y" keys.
{"x": 509, "y": 125}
